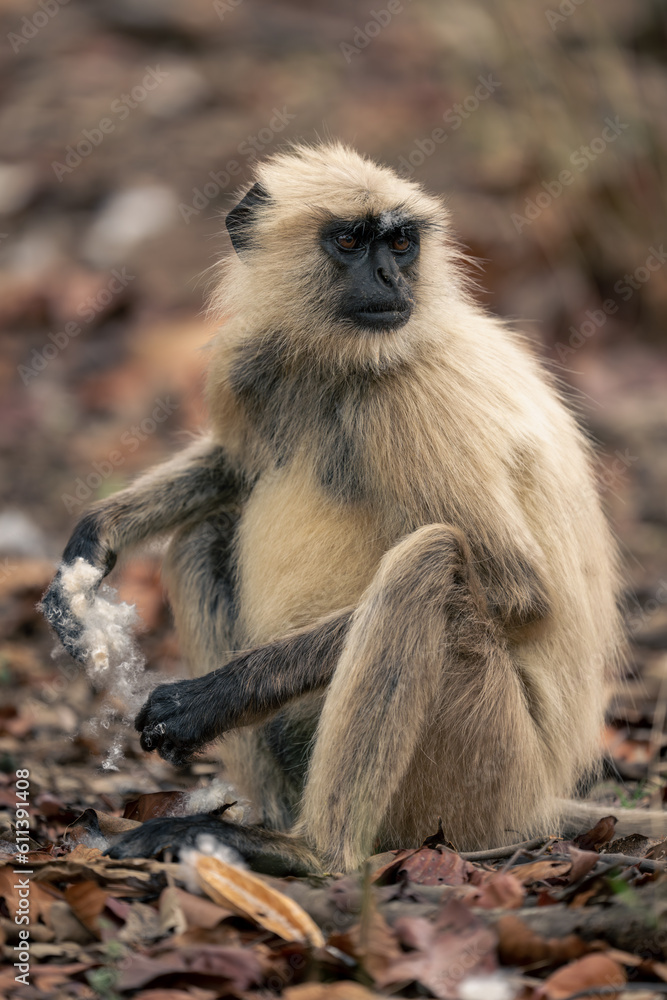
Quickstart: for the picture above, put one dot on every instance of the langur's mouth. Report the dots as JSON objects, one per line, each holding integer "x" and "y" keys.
{"x": 379, "y": 317}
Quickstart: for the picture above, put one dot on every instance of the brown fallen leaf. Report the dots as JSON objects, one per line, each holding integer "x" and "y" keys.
{"x": 53, "y": 808}
{"x": 374, "y": 944}
{"x": 598, "y": 836}
{"x": 386, "y": 873}
{"x": 172, "y": 918}
{"x": 539, "y": 871}
{"x": 87, "y": 901}
{"x": 582, "y": 863}
{"x": 142, "y": 925}
{"x": 240, "y": 968}
{"x": 251, "y": 898}
{"x": 65, "y": 926}
{"x": 155, "y": 804}
{"x": 636, "y": 845}
{"x": 41, "y": 897}
{"x": 500, "y": 891}
{"x": 90, "y": 863}
{"x": 329, "y": 991}
{"x": 658, "y": 852}
{"x": 193, "y": 993}
{"x": 199, "y": 911}
{"x": 426, "y": 866}
{"x": 519, "y": 945}
{"x": 436, "y": 866}
{"x": 9, "y": 889}
{"x": 48, "y": 977}
{"x": 93, "y": 821}
{"x": 456, "y": 946}
{"x": 591, "y": 970}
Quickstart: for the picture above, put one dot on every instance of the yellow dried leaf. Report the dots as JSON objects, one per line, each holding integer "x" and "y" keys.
{"x": 251, "y": 898}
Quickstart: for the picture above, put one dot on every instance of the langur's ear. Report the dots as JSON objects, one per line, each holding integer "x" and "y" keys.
{"x": 240, "y": 219}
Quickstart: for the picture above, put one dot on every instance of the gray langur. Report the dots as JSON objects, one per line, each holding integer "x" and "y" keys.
{"x": 394, "y": 518}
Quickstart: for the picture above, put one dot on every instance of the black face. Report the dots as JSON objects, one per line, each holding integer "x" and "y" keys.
{"x": 376, "y": 267}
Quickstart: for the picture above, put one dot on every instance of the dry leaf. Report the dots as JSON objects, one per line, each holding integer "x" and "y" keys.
{"x": 458, "y": 945}
{"x": 66, "y": 926}
{"x": 142, "y": 925}
{"x": 240, "y": 967}
{"x": 592, "y": 970}
{"x": 520, "y": 945}
{"x": 49, "y": 977}
{"x": 192, "y": 993}
{"x": 539, "y": 871}
{"x": 172, "y": 918}
{"x": 87, "y": 900}
{"x": 329, "y": 991}
{"x": 374, "y": 943}
{"x": 41, "y": 897}
{"x": 248, "y": 896}
{"x": 500, "y": 890}
{"x": 582, "y": 863}
{"x": 89, "y": 862}
{"x": 658, "y": 852}
{"x": 426, "y": 866}
{"x": 636, "y": 845}
{"x": 199, "y": 911}
{"x": 152, "y": 805}
{"x": 97, "y": 822}
{"x": 598, "y": 836}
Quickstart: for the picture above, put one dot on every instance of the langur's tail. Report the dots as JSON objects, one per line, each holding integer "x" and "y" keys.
{"x": 578, "y": 816}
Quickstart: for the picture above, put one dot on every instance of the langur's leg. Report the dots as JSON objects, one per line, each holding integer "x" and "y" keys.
{"x": 426, "y": 715}
{"x": 427, "y": 712}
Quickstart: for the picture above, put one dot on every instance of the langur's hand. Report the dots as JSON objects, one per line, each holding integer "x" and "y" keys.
{"x": 64, "y": 604}
{"x": 179, "y": 719}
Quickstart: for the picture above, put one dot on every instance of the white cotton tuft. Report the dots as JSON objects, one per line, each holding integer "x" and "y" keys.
{"x": 113, "y": 660}
{"x": 97, "y": 840}
{"x": 214, "y": 795}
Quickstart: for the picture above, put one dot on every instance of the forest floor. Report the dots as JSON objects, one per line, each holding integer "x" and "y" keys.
{"x": 547, "y": 919}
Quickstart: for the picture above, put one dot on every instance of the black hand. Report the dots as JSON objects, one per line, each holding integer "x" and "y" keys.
{"x": 56, "y": 609}
{"x": 179, "y": 719}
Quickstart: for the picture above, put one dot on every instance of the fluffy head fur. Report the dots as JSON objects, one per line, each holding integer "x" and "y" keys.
{"x": 282, "y": 279}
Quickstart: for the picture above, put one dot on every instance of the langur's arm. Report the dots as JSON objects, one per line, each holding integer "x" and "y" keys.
{"x": 180, "y": 718}
{"x": 187, "y": 488}
{"x": 515, "y": 589}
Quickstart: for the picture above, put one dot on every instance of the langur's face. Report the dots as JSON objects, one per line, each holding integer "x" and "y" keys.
{"x": 373, "y": 269}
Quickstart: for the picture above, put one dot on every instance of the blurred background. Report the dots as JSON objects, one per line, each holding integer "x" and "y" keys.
{"x": 126, "y": 129}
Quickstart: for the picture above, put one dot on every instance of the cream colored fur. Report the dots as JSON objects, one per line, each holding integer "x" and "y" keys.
{"x": 475, "y": 675}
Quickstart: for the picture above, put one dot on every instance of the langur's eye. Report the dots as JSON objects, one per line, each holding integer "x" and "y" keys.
{"x": 347, "y": 242}
{"x": 400, "y": 244}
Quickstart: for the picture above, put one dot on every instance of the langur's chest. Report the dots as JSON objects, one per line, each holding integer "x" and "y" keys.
{"x": 287, "y": 416}
{"x": 300, "y": 555}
